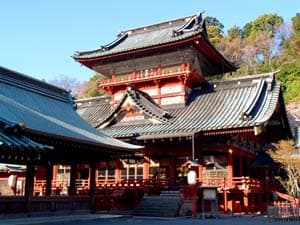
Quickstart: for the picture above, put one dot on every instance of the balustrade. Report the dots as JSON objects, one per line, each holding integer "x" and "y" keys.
{"x": 146, "y": 74}
{"x": 283, "y": 211}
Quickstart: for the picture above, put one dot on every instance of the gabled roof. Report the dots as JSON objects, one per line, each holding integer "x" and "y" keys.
{"x": 48, "y": 111}
{"x": 143, "y": 102}
{"x": 98, "y": 112}
{"x": 221, "y": 106}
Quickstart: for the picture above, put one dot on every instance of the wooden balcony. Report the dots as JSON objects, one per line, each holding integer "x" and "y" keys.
{"x": 145, "y": 75}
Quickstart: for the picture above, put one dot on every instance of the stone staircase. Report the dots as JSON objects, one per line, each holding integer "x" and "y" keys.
{"x": 167, "y": 204}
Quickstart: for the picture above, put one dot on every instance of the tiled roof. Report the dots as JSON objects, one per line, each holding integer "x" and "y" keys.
{"x": 166, "y": 32}
{"x": 48, "y": 110}
{"x": 143, "y": 102}
{"x": 12, "y": 138}
{"x": 222, "y": 105}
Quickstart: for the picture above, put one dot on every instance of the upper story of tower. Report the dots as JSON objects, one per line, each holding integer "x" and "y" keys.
{"x": 166, "y": 60}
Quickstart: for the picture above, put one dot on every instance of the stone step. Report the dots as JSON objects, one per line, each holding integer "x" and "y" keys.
{"x": 167, "y": 204}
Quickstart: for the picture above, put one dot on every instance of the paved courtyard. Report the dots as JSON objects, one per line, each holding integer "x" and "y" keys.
{"x": 103, "y": 219}
{"x": 182, "y": 221}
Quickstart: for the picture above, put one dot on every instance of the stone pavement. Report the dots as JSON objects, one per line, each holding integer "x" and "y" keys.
{"x": 113, "y": 219}
{"x": 25, "y": 220}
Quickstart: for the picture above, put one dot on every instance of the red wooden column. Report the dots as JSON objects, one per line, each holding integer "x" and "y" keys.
{"x": 225, "y": 196}
{"x": 93, "y": 186}
{"x": 146, "y": 168}
{"x": 49, "y": 177}
{"x": 200, "y": 174}
{"x": 118, "y": 171}
{"x": 29, "y": 183}
{"x": 267, "y": 180}
{"x": 249, "y": 166}
{"x": 260, "y": 203}
{"x": 241, "y": 172}
{"x": 246, "y": 201}
{"x": 72, "y": 189}
{"x": 230, "y": 167}
{"x": 172, "y": 171}
{"x": 200, "y": 167}
{"x": 158, "y": 86}
{"x": 55, "y": 168}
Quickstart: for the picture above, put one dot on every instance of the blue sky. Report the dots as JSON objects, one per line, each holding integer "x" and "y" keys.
{"x": 38, "y": 37}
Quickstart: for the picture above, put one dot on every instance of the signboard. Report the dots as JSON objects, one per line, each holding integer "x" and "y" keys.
{"x": 209, "y": 193}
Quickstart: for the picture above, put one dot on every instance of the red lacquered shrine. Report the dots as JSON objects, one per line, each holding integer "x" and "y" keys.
{"x": 48, "y": 154}
{"x": 160, "y": 96}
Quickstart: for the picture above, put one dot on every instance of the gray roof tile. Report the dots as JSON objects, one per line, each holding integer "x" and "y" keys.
{"x": 148, "y": 36}
{"x": 47, "y": 109}
{"x": 232, "y": 104}
{"x": 12, "y": 138}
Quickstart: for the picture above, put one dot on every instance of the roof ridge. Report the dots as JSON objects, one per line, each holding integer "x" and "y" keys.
{"x": 247, "y": 113}
{"x": 158, "y": 25}
{"x": 23, "y": 81}
{"x": 244, "y": 80}
{"x": 247, "y": 77}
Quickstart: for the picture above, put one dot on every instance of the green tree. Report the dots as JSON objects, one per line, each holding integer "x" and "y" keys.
{"x": 234, "y": 32}
{"x": 214, "y": 29}
{"x": 296, "y": 23}
{"x": 289, "y": 76}
{"x": 266, "y": 23}
{"x": 291, "y": 46}
{"x": 90, "y": 88}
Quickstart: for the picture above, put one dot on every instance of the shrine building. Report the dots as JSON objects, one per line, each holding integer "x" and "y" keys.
{"x": 48, "y": 153}
{"x": 160, "y": 95}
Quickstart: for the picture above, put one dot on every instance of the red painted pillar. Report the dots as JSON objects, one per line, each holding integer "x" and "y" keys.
{"x": 49, "y": 177}
{"x": 225, "y": 201}
{"x": 195, "y": 200}
{"x": 146, "y": 168}
{"x": 159, "y": 70}
{"x": 157, "y": 83}
{"x": 55, "y": 168}
{"x": 246, "y": 201}
{"x": 182, "y": 67}
{"x": 230, "y": 167}
{"x": 118, "y": 171}
{"x": 200, "y": 174}
{"x": 248, "y": 167}
{"x": 72, "y": 188}
{"x": 260, "y": 203}
{"x": 92, "y": 187}
{"x": 241, "y": 172}
{"x": 29, "y": 183}
{"x": 267, "y": 186}
{"x": 113, "y": 77}
{"x": 172, "y": 171}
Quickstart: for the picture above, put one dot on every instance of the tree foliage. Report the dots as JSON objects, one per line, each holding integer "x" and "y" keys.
{"x": 90, "y": 88}
{"x": 266, "y": 23}
{"x": 263, "y": 45}
{"x": 289, "y": 76}
{"x": 214, "y": 29}
{"x": 289, "y": 159}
